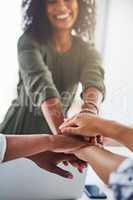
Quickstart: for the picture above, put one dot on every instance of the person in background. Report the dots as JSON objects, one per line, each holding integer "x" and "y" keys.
{"x": 46, "y": 151}
{"x": 114, "y": 170}
{"x": 53, "y": 59}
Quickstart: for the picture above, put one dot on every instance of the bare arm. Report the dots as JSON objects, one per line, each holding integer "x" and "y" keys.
{"x": 89, "y": 125}
{"x": 92, "y": 98}
{"x": 101, "y": 160}
{"x": 117, "y": 131}
{"x": 27, "y": 145}
{"x": 53, "y": 113}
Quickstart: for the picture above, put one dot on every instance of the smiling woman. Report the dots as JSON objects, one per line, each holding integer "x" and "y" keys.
{"x": 62, "y": 15}
{"x": 53, "y": 58}
{"x": 85, "y": 24}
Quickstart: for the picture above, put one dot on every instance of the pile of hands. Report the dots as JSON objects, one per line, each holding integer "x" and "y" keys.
{"x": 78, "y": 133}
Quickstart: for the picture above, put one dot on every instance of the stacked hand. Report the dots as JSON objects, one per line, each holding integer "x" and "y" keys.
{"x": 49, "y": 161}
{"x": 85, "y": 125}
{"x": 69, "y": 144}
{"x": 82, "y": 124}
{"x": 66, "y": 144}
{"x": 58, "y": 144}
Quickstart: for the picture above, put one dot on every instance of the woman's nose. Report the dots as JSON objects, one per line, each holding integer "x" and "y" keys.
{"x": 62, "y": 5}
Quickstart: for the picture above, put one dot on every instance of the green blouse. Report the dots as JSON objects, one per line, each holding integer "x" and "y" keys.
{"x": 45, "y": 73}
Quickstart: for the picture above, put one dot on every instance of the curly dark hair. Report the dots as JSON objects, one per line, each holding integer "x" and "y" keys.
{"x": 35, "y": 19}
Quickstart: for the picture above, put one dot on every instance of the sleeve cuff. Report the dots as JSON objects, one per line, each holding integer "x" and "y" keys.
{"x": 117, "y": 177}
{"x": 98, "y": 85}
{"x": 3, "y": 145}
{"x": 47, "y": 94}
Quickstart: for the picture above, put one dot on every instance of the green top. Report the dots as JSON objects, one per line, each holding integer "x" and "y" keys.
{"x": 45, "y": 73}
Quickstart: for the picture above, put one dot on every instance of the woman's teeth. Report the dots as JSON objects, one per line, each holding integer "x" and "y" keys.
{"x": 64, "y": 16}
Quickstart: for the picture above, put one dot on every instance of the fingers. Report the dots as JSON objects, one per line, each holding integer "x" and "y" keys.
{"x": 79, "y": 164}
{"x": 67, "y": 123}
{"x": 66, "y": 157}
{"x": 75, "y": 162}
{"x": 70, "y": 130}
{"x": 61, "y": 172}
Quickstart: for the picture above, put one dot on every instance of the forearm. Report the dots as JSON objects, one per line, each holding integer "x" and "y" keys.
{"x": 102, "y": 161}
{"x": 53, "y": 113}
{"x": 26, "y": 145}
{"x": 92, "y": 98}
{"x": 116, "y": 131}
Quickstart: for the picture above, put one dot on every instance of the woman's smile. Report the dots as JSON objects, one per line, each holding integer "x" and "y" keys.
{"x": 62, "y": 14}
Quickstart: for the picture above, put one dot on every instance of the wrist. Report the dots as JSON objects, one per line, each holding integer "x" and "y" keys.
{"x": 90, "y": 107}
{"x": 87, "y": 153}
{"x": 53, "y": 113}
{"x": 48, "y": 142}
{"x": 101, "y": 127}
{"x": 51, "y": 142}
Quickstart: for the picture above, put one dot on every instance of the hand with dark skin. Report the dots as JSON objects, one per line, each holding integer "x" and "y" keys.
{"x": 19, "y": 146}
{"x": 53, "y": 113}
{"x": 49, "y": 161}
{"x": 45, "y": 151}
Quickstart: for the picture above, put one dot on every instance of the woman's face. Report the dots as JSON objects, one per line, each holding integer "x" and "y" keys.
{"x": 62, "y": 14}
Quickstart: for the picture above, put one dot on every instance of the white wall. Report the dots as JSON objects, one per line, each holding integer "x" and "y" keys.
{"x": 9, "y": 32}
{"x": 118, "y": 60}
{"x": 101, "y": 23}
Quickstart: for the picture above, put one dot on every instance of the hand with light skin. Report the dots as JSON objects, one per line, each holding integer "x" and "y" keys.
{"x": 102, "y": 161}
{"x": 82, "y": 124}
{"x": 49, "y": 161}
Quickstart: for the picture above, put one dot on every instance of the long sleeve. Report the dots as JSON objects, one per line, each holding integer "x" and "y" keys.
{"x": 92, "y": 73}
{"x": 121, "y": 181}
{"x": 35, "y": 74}
{"x": 2, "y": 147}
